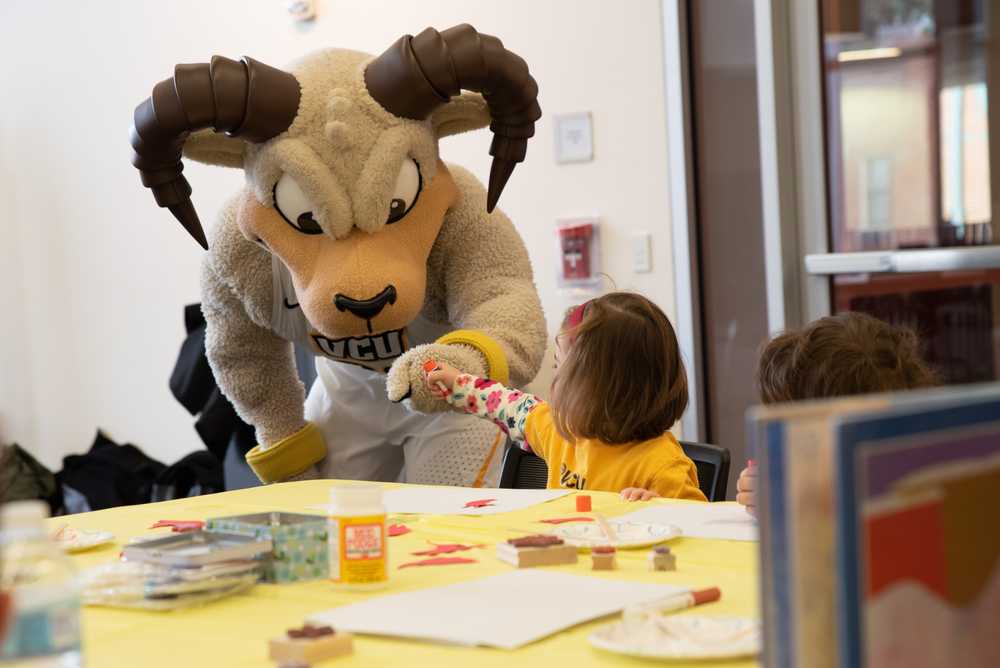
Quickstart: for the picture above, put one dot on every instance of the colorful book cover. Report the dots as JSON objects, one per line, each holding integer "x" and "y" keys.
{"x": 767, "y": 440}
{"x": 793, "y": 444}
{"x": 919, "y": 533}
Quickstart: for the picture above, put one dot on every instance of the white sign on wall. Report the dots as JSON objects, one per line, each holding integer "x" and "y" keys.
{"x": 574, "y": 137}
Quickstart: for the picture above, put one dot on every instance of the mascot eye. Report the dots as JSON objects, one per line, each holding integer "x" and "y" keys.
{"x": 294, "y": 206}
{"x": 407, "y": 190}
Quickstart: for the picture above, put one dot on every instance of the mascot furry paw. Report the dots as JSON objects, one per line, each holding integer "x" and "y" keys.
{"x": 353, "y": 238}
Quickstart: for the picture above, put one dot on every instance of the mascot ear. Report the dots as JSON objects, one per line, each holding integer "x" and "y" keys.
{"x": 466, "y": 112}
{"x": 214, "y": 148}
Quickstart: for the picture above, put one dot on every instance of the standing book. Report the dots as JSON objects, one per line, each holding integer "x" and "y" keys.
{"x": 918, "y": 526}
{"x": 794, "y": 446}
{"x": 880, "y": 529}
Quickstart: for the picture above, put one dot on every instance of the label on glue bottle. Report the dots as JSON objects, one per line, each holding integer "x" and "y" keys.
{"x": 357, "y": 550}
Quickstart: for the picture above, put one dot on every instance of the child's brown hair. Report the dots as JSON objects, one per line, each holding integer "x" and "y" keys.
{"x": 622, "y": 379}
{"x": 841, "y": 355}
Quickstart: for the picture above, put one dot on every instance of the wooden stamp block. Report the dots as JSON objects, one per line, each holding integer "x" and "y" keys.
{"x": 310, "y": 644}
{"x": 531, "y": 551}
{"x": 662, "y": 559}
{"x": 603, "y": 558}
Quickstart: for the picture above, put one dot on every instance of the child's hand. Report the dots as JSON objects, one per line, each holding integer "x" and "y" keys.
{"x": 441, "y": 379}
{"x": 638, "y": 494}
{"x": 746, "y": 488}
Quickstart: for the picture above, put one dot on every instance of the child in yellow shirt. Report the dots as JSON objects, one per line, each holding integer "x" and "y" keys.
{"x": 619, "y": 387}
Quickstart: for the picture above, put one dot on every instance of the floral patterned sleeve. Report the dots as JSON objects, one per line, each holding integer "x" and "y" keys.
{"x": 508, "y": 408}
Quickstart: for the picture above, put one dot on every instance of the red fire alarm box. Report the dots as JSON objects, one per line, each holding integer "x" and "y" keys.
{"x": 579, "y": 257}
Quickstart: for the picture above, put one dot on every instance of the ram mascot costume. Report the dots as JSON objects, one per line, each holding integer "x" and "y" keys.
{"x": 353, "y": 238}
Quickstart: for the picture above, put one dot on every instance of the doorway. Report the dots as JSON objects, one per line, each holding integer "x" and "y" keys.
{"x": 837, "y": 156}
{"x": 718, "y": 234}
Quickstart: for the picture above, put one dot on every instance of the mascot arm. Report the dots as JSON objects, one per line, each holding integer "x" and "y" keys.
{"x": 256, "y": 371}
{"x": 481, "y": 270}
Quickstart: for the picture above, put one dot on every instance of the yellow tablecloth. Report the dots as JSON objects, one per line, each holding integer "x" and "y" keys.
{"x": 234, "y": 631}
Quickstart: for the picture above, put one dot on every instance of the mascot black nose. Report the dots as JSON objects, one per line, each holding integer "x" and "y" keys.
{"x": 366, "y": 309}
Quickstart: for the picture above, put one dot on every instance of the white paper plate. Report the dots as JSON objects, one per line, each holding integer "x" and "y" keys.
{"x": 630, "y": 534}
{"x": 681, "y": 638}
{"x": 77, "y": 540}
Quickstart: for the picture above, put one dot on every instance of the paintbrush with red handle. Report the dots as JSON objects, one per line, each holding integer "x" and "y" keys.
{"x": 431, "y": 365}
{"x": 679, "y": 602}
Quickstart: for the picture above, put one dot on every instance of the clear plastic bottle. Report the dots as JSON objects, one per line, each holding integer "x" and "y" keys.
{"x": 44, "y": 630}
{"x": 356, "y": 537}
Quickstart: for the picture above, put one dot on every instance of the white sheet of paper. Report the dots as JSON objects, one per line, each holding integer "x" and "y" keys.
{"x": 724, "y": 520}
{"x": 452, "y": 500}
{"x": 506, "y": 611}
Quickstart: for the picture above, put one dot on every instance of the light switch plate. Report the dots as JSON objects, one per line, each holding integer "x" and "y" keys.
{"x": 642, "y": 256}
{"x": 574, "y": 137}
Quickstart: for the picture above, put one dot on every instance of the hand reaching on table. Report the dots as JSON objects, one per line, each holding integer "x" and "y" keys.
{"x": 638, "y": 494}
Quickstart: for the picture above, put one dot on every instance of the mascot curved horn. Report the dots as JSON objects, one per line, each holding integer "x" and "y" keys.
{"x": 244, "y": 99}
{"x": 416, "y": 75}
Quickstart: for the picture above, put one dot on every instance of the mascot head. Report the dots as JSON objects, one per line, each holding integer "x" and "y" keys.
{"x": 344, "y": 182}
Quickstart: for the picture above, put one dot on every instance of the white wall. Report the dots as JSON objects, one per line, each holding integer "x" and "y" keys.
{"x": 93, "y": 275}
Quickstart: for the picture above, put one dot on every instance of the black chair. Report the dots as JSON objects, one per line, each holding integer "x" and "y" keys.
{"x": 712, "y": 463}
{"x": 523, "y": 470}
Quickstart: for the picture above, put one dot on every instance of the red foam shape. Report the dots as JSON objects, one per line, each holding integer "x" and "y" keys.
{"x": 398, "y": 530}
{"x": 180, "y": 526}
{"x": 563, "y": 520}
{"x": 583, "y": 503}
{"x": 430, "y": 365}
{"x": 444, "y": 548}
{"x": 480, "y": 503}
{"x": 439, "y": 561}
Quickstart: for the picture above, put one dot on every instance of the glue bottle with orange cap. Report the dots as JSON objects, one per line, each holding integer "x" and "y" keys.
{"x": 356, "y": 535}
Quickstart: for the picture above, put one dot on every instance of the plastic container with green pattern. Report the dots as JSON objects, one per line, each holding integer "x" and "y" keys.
{"x": 300, "y": 547}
